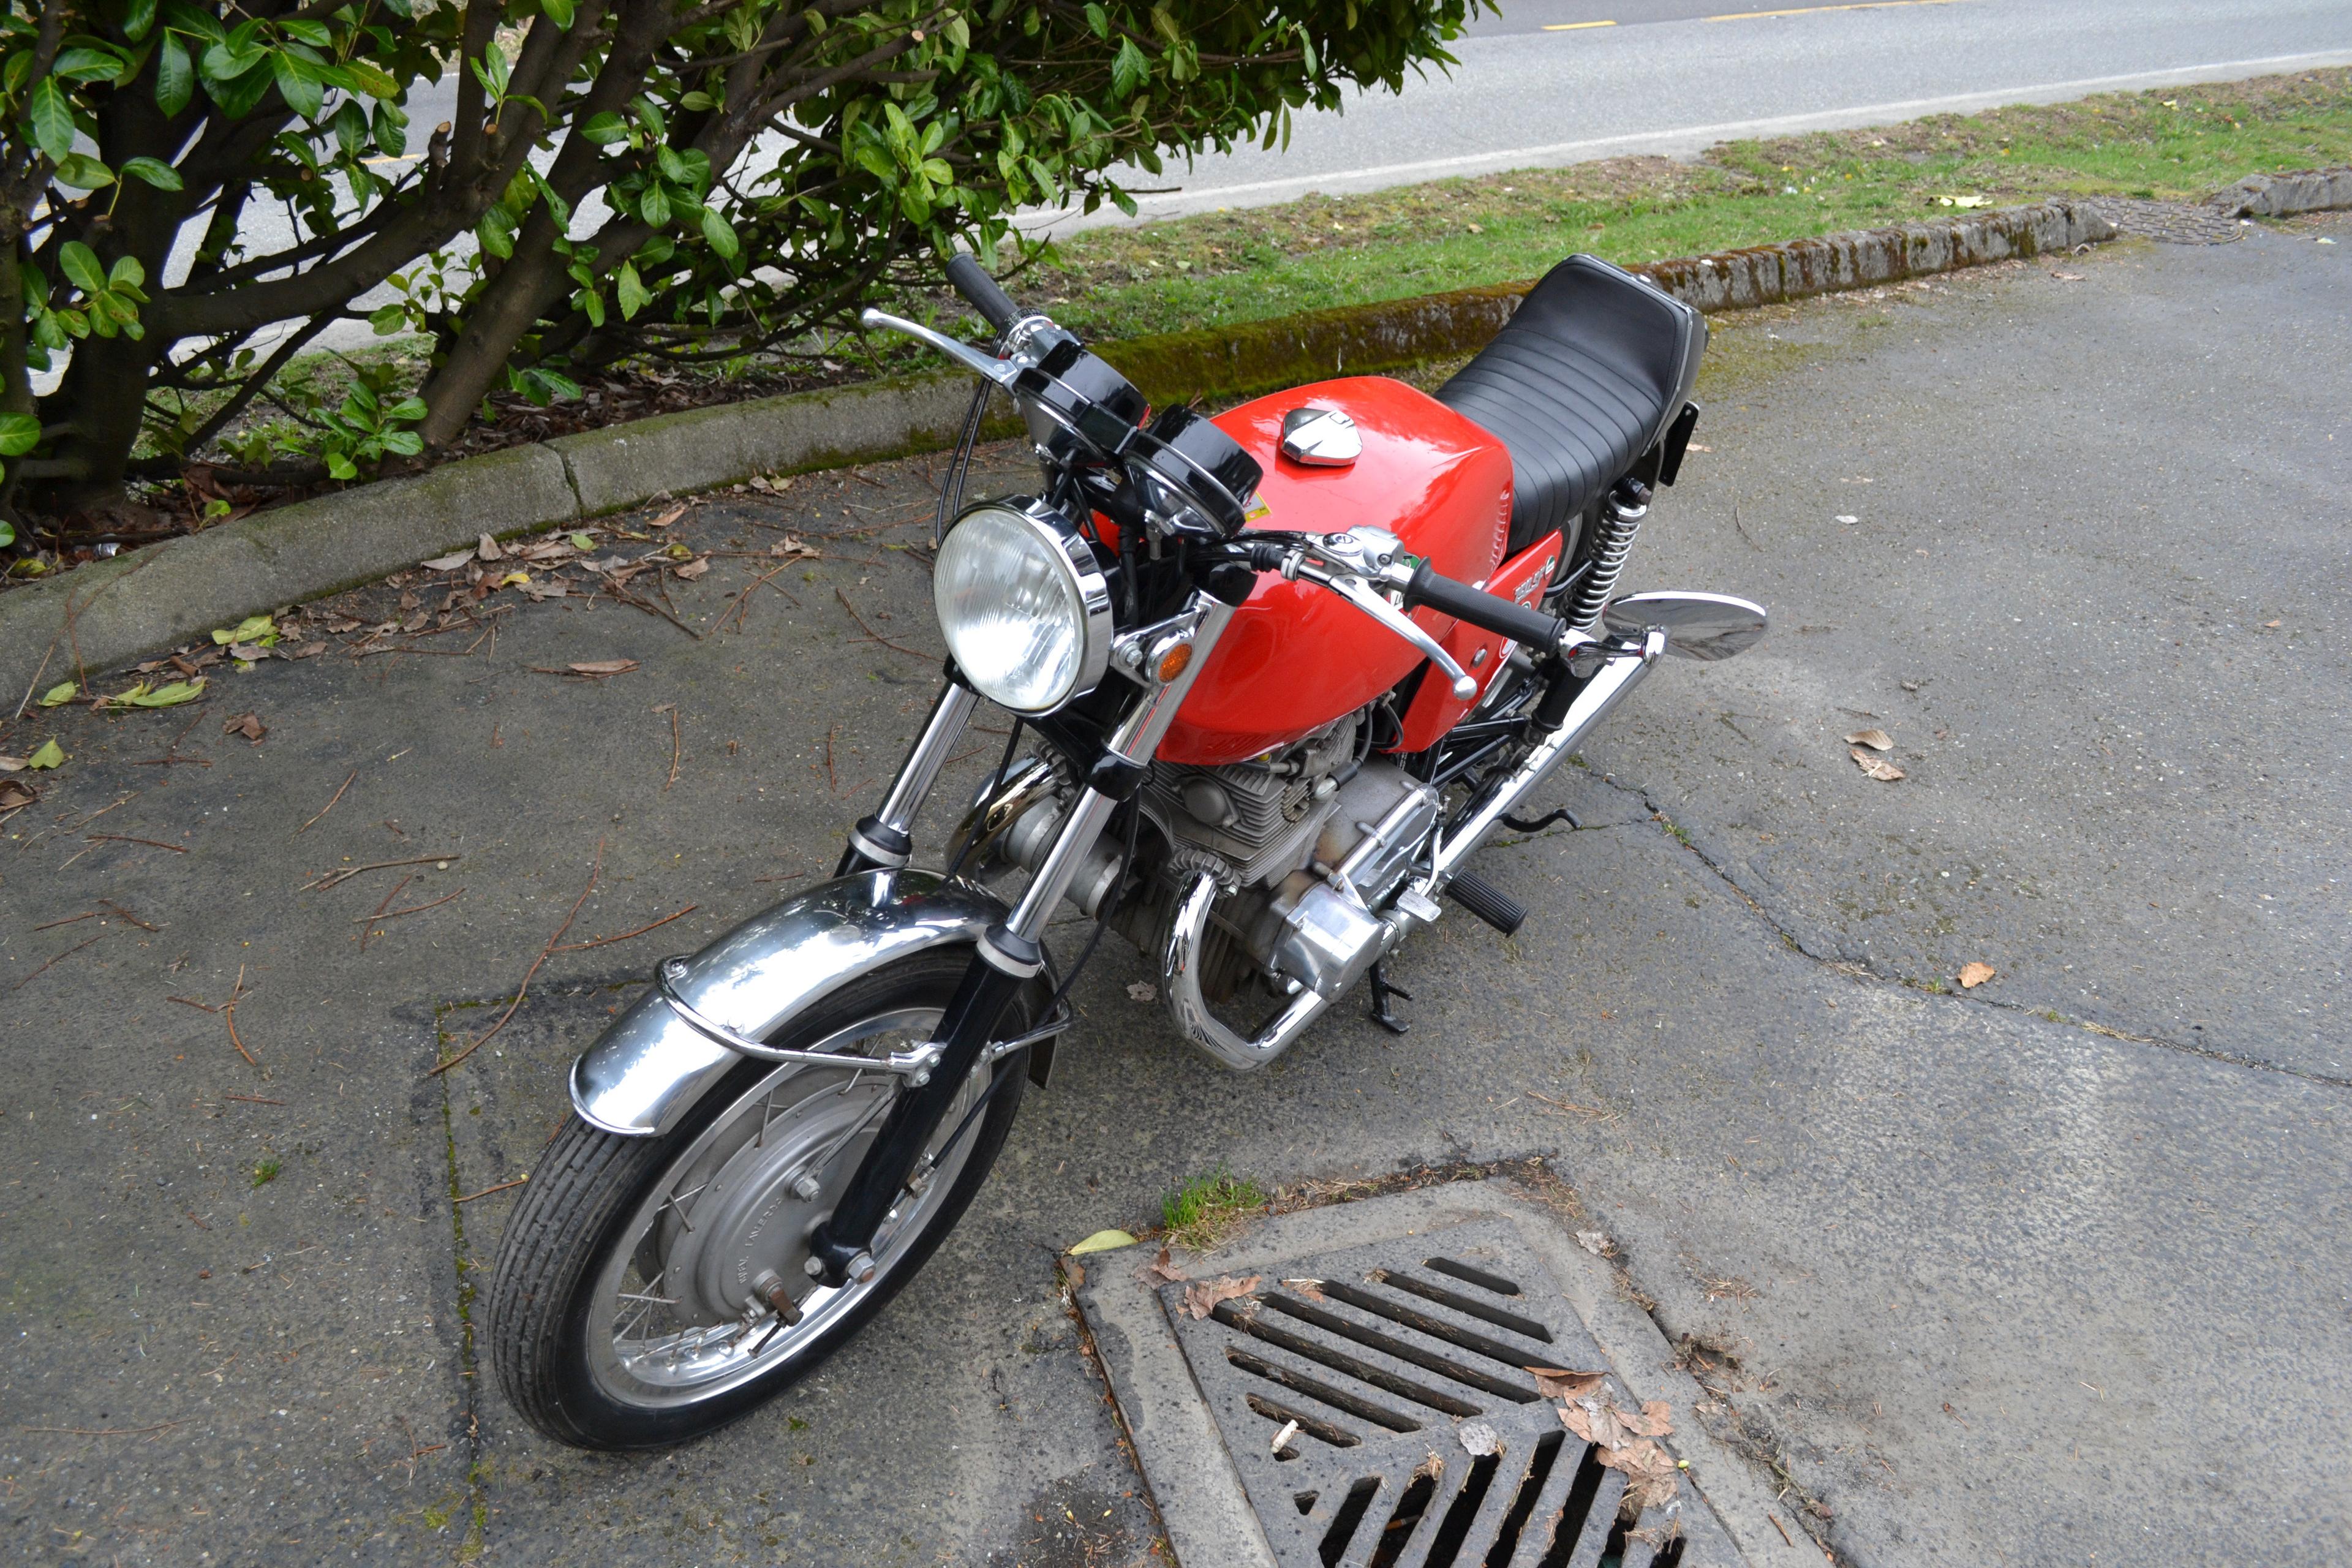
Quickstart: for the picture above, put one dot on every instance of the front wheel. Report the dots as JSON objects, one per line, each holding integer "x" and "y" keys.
{"x": 650, "y": 1290}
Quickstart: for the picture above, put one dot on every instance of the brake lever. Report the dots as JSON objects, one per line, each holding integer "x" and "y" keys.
{"x": 1361, "y": 594}
{"x": 1003, "y": 372}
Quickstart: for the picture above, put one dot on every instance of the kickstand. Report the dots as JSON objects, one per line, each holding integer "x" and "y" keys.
{"x": 1382, "y": 1014}
{"x": 1517, "y": 824}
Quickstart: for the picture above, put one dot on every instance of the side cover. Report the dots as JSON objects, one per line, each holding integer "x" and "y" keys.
{"x": 641, "y": 1076}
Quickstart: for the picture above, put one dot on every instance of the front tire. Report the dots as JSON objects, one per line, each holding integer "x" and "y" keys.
{"x": 630, "y": 1309}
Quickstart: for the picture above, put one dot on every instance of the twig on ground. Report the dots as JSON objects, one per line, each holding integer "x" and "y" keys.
{"x": 172, "y": 748}
{"x": 675, "y": 750}
{"x": 649, "y": 607}
{"x": 831, "y": 780}
{"x": 744, "y": 598}
{"x": 1752, "y": 545}
{"x": 331, "y": 803}
{"x": 228, "y": 1011}
{"x": 253, "y": 1099}
{"x": 622, "y": 936}
{"x": 524, "y": 989}
{"x": 128, "y": 838}
{"x": 126, "y": 914}
{"x": 27, "y": 700}
{"x": 368, "y": 924}
{"x": 192, "y": 1002}
{"x": 1590, "y": 1113}
{"x": 66, "y": 954}
{"x": 486, "y": 1191}
{"x": 383, "y": 914}
{"x": 70, "y": 920}
{"x": 870, "y": 632}
{"x": 105, "y": 1431}
{"x": 342, "y": 874}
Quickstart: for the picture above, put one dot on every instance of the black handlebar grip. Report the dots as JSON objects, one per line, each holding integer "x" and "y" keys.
{"x": 1488, "y": 612}
{"x": 972, "y": 280}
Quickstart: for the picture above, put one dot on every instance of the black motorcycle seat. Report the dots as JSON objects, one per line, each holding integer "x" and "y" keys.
{"x": 1586, "y": 378}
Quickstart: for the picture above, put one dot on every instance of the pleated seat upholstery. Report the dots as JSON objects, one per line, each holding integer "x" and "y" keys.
{"x": 1584, "y": 380}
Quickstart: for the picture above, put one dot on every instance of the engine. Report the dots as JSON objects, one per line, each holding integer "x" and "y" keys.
{"x": 1307, "y": 844}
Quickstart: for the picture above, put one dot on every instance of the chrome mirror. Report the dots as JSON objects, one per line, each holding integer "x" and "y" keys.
{"x": 1704, "y": 626}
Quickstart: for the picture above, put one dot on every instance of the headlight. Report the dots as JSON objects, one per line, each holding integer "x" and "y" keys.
{"x": 1024, "y": 609}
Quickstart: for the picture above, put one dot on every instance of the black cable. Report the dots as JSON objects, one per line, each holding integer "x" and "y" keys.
{"x": 951, "y": 483}
{"x": 995, "y": 782}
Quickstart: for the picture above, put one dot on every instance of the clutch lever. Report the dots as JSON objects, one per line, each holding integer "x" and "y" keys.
{"x": 1361, "y": 594}
{"x": 1003, "y": 372}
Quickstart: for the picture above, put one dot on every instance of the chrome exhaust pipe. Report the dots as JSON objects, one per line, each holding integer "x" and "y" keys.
{"x": 1180, "y": 976}
{"x": 1601, "y": 695}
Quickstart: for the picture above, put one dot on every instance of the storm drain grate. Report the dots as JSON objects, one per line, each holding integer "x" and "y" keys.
{"x": 1377, "y": 1407}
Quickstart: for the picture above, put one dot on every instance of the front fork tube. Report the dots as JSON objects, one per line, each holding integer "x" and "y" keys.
{"x": 1011, "y": 953}
{"x": 886, "y": 840}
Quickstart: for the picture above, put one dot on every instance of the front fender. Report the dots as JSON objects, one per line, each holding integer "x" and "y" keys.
{"x": 646, "y": 1071}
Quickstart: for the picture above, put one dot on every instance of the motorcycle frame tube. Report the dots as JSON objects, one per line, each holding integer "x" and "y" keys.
{"x": 1009, "y": 954}
{"x": 887, "y": 838}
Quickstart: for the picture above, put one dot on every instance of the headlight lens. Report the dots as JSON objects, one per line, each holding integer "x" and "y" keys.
{"x": 1026, "y": 613}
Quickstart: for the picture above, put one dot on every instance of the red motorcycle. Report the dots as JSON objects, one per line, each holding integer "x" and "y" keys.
{"x": 1281, "y": 671}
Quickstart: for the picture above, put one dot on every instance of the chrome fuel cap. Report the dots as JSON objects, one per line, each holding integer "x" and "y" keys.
{"x": 1320, "y": 438}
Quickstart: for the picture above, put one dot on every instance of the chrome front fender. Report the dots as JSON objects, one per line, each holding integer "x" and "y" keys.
{"x": 646, "y": 1071}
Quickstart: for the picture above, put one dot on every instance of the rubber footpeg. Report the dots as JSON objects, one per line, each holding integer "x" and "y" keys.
{"x": 1488, "y": 901}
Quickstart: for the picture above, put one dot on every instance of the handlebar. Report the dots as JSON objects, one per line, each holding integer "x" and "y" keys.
{"x": 1488, "y": 612}
{"x": 972, "y": 280}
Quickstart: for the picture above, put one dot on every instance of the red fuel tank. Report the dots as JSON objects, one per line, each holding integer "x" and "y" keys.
{"x": 1297, "y": 656}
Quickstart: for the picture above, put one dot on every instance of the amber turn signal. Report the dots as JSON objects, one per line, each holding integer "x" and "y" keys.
{"x": 1172, "y": 662}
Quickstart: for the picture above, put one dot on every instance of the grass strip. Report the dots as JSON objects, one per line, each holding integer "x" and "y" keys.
{"x": 1224, "y": 268}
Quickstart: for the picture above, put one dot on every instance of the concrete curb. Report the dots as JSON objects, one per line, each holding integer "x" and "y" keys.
{"x": 122, "y": 610}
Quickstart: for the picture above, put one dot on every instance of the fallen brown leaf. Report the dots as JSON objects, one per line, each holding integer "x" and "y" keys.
{"x": 438, "y": 563}
{"x": 1310, "y": 1289}
{"x": 15, "y": 792}
{"x": 1975, "y": 974}
{"x": 1657, "y": 1420}
{"x": 665, "y": 519}
{"x": 1201, "y": 1299}
{"x": 793, "y": 545}
{"x": 1558, "y": 1383}
{"x": 694, "y": 568}
{"x": 248, "y": 725}
{"x": 1878, "y": 768}
{"x": 1651, "y": 1476}
{"x": 1877, "y": 740}
{"x": 487, "y": 549}
{"x": 598, "y": 669}
{"x": 1164, "y": 1269}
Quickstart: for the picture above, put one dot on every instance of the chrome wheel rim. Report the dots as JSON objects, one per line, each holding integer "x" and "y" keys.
{"x": 677, "y": 1315}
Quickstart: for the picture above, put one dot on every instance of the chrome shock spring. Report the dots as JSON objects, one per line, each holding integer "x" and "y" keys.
{"x": 1621, "y": 520}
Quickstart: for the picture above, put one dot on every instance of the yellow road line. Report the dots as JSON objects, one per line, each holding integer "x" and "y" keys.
{"x": 1813, "y": 10}
{"x": 1574, "y": 26}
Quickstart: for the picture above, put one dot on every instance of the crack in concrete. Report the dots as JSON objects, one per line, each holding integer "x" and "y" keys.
{"x": 468, "y": 1378}
{"x": 1863, "y": 975}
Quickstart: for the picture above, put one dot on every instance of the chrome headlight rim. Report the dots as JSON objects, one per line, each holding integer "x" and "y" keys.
{"x": 1087, "y": 593}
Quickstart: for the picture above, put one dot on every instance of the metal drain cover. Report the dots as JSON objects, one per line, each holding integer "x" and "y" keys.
{"x": 1374, "y": 1403}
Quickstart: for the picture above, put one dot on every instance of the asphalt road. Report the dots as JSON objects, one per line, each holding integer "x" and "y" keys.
{"x": 2050, "y": 1272}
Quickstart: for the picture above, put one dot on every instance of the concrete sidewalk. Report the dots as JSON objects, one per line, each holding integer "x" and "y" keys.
{"x": 1986, "y": 1283}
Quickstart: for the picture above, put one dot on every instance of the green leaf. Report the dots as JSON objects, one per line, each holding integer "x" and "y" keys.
{"x": 298, "y": 81}
{"x": 388, "y": 319}
{"x": 496, "y": 231}
{"x": 1099, "y": 20}
{"x": 239, "y": 96}
{"x": 175, "y": 75}
{"x": 50, "y": 755}
{"x": 1129, "y": 69}
{"x": 555, "y": 385}
{"x": 51, "y": 118}
{"x": 652, "y": 205}
{"x": 366, "y": 78}
{"x": 154, "y": 171}
{"x": 558, "y": 12}
{"x": 1102, "y": 1241}
{"x": 19, "y": 434}
{"x": 583, "y": 544}
{"x": 7, "y": 529}
{"x": 137, "y": 17}
{"x": 249, "y": 630}
{"x": 315, "y": 34}
{"x": 82, "y": 269}
{"x": 340, "y": 467}
{"x": 631, "y": 290}
{"x": 59, "y": 695}
{"x": 88, "y": 65}
{"x": 721, "y": 234}
{"x": 126, "y": 275}
{"x": 81, "y": 172}
{"x": 606, "y": 129}
{"x": 170, "y": 696}
{"x": 408, "y": 442}
{"x": 409, "y": 408}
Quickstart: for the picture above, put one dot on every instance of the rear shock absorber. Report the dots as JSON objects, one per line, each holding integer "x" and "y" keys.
{"x": 1621, "y": 518}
